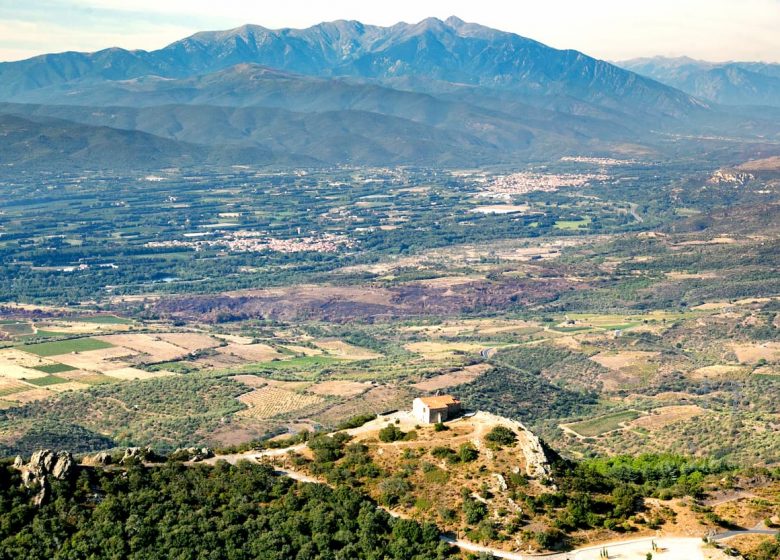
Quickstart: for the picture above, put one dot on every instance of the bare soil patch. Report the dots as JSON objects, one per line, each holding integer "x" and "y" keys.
{"x": 719, "y": 372}
{"x": 16, "y": 357}
{"x": 666, "y": 415}
{"x": 619, "y": 360}
{"x": 432, "y": 350}
{"x": 190, "y": 341}
{"x": 751, "y": 353}
{"x": 99, "y": 360}
{"x": 158, "y": 350}
{"x": 29, "y": 396}
{"x": 339, "y": 388}
{"x": 131, "y": 373}
{"x": 453, "y": 379}
{"x": 268, "y": 401}
{"x": 341, "y": 349}
{"x": 251, "y": 352}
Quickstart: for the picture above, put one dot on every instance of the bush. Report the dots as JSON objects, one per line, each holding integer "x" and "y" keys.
{"x": 392, "y": 490}
{"x": 501, "y": 436}
{"x": 355, "y": 421}
{"x": 467, "y": 453}
{"x": 474, "y": 510}
{"x": 391, "y": 433}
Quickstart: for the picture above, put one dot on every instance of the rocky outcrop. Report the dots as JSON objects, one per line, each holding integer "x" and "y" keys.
{"x": 537, "y": 463}
{"x": 45, "y": 465}
{"x": 193, "y": 454}
{"x": 101, "y": 459}
{"x": 138, "y": 454}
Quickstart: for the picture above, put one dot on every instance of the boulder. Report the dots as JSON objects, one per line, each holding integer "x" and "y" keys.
{"x": 193, "y": 454}
{"x": 44, "y": 465}
{"x": 101, "y": 459}
{"x": 138, "y": 454}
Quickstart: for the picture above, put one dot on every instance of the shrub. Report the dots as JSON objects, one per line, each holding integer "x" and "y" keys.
{"x": 392, "y": 490}
{"x": 467, "y": 453}
{"x": 355, "y": 421}
{"x": 501, "y": 436}
{"x": 391, "y": 433}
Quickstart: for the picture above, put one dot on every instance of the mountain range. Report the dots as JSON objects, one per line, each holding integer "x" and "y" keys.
{"x": 433, "y": 93}
{"x": 730, "y": 83}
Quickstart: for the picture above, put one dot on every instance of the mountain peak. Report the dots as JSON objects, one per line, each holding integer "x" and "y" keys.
{"x": 454, "y": 21}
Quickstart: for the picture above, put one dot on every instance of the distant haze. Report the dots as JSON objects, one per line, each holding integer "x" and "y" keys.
{"x": 716, "y": 30}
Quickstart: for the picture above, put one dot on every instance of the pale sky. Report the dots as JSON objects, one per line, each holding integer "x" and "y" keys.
{"x": 716, "y": 30}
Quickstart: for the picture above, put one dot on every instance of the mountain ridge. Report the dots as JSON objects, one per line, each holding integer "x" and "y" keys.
{"x": 435, "y": 92}
{"x": 728, "y": 83}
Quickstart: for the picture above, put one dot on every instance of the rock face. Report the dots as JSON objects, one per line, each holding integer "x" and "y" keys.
{"x": 193, "y": 453}
{"x": 537, "y": 464}
{"x": 44, "y": 465}
{"x": 101, "y": 459}
{"x": 137, "y": 453}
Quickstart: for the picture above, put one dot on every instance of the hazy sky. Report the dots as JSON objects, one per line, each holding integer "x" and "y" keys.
{"x": 608, "y": 29}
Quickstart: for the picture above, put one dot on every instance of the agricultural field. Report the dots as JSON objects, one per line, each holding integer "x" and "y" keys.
{"x": 603, "y": 424}
{"x": 598, "y": 315}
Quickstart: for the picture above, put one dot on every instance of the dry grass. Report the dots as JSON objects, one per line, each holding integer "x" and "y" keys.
{"x": 256, "y": 382}
{"x": 748, "y": 544}
{"x": 11, "y": 386}
{"x": 338, "y": 388}
{"x": 719, "y": 372}
{"x": 679, "y": 275}
{"x": 267, "y": 402}
{"x": 442, "y": 350}
{"x": 12, "y": 371}
{"x": 251, "y": 352}
{"x": 375, "y": 400}
{"x": 190, "y": 341}
{"x": 14, "y": 356}
{"x": 341, "y": 349}
{"x": 752, "y": 353}
{"x": 158, "y": 350}
{"x": 99, "y": 360}
{"x": 471, "y": 326}
{"x": 70, "y": 386}
{"x": 619, "y": 360}
{"x": 131, "y": 373}
{"x": 303, "y": 350}
{"x": 459, "y": 377}
{"x": 86, "y": 377}
{"x": 78, "y": 327}
{"x": 661, "y": 417}
{"x": 29, "y": 395}
{"x": 235, "y": 338}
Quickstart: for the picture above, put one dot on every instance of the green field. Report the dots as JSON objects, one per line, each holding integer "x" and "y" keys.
{"x": 54, "y": 368}
{"x": 48, "y": 380}
{"x": 304, "y": 362}
{"x": 65, "y": 346}
{"x": 572, "y": 224}
{"x": 105, "y": 320}
{"x": 603, "y": 424}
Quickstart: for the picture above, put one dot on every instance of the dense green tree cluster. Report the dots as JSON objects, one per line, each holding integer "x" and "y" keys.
{"x": 222, "y": 512}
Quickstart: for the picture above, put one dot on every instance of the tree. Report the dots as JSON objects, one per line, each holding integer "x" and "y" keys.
{"x": 501, "y": 436}
{"x": 391, "y": 433}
